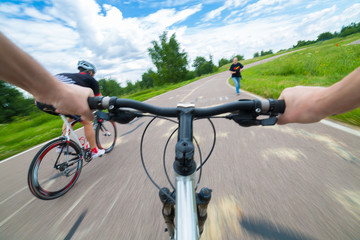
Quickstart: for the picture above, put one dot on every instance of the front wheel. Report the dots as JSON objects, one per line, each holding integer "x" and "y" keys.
{"x": 106, "y": 135}
{"x": 55, "y": 169}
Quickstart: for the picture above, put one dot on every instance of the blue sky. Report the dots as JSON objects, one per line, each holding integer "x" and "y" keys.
{"x": 115, "y": 35}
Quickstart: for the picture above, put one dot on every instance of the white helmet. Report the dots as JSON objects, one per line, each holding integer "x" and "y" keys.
{"x": 86, "y": 65}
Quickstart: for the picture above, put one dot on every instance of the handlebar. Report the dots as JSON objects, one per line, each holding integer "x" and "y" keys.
{"x": 264, "y": 107}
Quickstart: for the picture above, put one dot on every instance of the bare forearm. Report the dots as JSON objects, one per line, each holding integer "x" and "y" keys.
{"x": 311, "y": 104}
{"x": 343, "y": 96}
{"x": 20, "y": 69}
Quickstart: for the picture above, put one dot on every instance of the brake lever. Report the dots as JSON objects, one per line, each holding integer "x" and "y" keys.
{"x": 269, "y": 121}
{"x": 250, "y": 120}
{"x": 122, "y": 116}
{"x": 102, "y": 115}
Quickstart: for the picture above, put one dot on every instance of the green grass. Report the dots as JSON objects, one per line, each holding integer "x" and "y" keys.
{"x": 26, "y": 133}
{"x": 320, "y": 64}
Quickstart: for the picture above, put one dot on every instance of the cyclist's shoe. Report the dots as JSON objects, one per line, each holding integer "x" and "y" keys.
{"x": 97, "y": 153}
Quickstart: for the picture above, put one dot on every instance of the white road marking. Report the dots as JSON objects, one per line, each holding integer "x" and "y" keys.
{"x": 13, "y": 195}
{"x": 16, "y": 212}
{"x": 79, "y": 200}
{"x": 341, "y": 127}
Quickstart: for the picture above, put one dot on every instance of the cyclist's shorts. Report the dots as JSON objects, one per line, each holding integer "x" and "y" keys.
{"x": 51, "y": 110}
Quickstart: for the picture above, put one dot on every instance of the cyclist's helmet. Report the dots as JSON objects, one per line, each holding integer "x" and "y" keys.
{"x": 86, "y": 65}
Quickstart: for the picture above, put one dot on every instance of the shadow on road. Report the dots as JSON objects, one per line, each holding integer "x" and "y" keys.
{"x": 76, "y": 225}
{"x": 267, "y": 230}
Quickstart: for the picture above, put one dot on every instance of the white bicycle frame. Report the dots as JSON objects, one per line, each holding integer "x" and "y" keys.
{"x": 69, "y": 129}
{"x": 186, "y": 227}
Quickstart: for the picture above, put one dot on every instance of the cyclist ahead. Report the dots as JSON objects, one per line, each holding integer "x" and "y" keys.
{"x": 84, "y": 78}
{"x": 235, "y": 70}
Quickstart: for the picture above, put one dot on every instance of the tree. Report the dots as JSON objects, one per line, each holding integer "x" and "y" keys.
{"x": 110, "y": 87}
{"x": 190, "y": 75}
{"x": 202, "y": 66}
{"x": 169, "y": 60}
{"x": 13, "y": 103}
{"x": 147, "y": 79}
{"x": 199, "y": 61}
{"x": 256, "y": 54}
{"x": 302, "y": 43}
{"x": 223, "y": 61}
{"x": 130, "y": 87}
{"x": 351, "y": 29}
{"x": 263, "y": 53}
{"x": 239, "y": 57}
{"x": 325, "y": 36}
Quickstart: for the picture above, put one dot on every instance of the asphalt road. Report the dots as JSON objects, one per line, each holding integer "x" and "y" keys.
{"x": 280, "y": 182}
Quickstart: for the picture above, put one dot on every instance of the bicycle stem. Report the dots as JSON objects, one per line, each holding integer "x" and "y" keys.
{"x": 184, "y": 164}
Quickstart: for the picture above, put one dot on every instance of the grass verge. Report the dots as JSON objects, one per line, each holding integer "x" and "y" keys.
{"x": 321, "y": 64}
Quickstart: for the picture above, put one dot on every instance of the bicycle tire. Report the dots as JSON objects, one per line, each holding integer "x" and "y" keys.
{"x": 106, "y": 135}
{"x": 50, "y": 175}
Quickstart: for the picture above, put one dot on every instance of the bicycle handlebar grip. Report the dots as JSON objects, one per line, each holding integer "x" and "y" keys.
{"x": 274, "y": 106}
{"x": 279, "y": 106}
{"x": 95, "y": 103}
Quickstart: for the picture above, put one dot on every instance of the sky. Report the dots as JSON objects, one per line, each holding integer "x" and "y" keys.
{"x": 115, "y": 35}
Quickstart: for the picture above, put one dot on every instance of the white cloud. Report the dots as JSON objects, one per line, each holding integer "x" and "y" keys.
{"x": 34, "y": 13}
{"x": 170, "y": 3}
{"x": 352, "y": 12}
{"x": 61, "y": 34}
{"x": 8, "y": 8}
{"x": 214, "y": 13}
{"x": 244, "y": 39}
{"x": 116, "y": 45}
{"x": 276, "y": 33}
{"x": 229, "y": 4}
{"x": 269, "y": 6}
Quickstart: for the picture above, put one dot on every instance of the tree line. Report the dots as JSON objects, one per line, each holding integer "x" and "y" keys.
{"x": 171, "y": 64}
{"x": 345, "y": 31}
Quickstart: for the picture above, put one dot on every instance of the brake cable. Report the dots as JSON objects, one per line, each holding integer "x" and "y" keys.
{"x": 164, "y": 160}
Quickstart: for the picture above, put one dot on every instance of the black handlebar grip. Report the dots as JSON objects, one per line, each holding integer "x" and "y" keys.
{"x": 95, "y": 103}
{"x": 279, "y": 106}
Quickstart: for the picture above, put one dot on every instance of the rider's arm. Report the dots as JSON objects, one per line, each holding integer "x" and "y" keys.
{"x": 20, "y": 69}
{"x": 241, "y": 67}
{"x": 231, "y": 69}
{"x": 311, "y": 104}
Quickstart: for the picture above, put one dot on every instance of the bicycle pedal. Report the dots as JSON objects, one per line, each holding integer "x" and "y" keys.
{"x": 88, "y": 156}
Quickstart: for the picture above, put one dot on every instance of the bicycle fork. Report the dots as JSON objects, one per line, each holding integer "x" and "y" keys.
{"x": 202, "y": 201}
